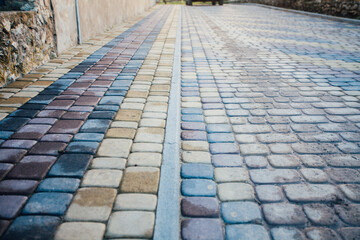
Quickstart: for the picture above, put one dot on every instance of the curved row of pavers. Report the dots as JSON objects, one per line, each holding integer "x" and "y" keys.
{"x": 245, "y": 173}
{"x": 61, "y": 129}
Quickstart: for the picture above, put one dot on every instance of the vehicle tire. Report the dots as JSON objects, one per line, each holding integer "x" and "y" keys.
{"x": 221, "y": 2}
{"x": 213, "y": 2}
{"x": 190, "y": 2}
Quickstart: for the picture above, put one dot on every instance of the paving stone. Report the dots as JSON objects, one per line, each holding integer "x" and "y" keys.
{"x": 277, "y": 138}
{"x": 352, "y": 160}
{"x": 144, "y": 159}
{"x": 4, "y": 169}
{"x": 152, "y": 135}
{"x": 227, "y": 160}
{"x": 4, "y": 224}
{"x": 314, "y": 148}
{"x": 344, "y": 175}
{"x": 115, "y": 148}
{"x": 269, "y": 193}
{"x": 11, "y": 205}
{"x": 351, "y": 191}
{"x": 140, "y": 180}
{"x": 232, "y": 174}
{"x": 95, "y": 126}
{"x": 194, "y": 170}
{"x": 48, "y": 203}
{"x": 131, "y": 224}
{"x": 349, "y": 232}
{"x": 22, "y": 144}
{"x": 32, "y": 227}
{"x": 19, "y": 187}
{"x": 195, "y": 146}
{"x": 48, "y": 121}
{"x": 321, "y": 233}
{"x": 147, "y": 147}
{"x": 59, "y": 185}
{"x": 201, "y": 228}
{"x": 254, "y": 149}
{"x": 240, "y": 212}
{"x": 57, "y": 138}
{"x": 70, "y": 165}
{"x": 198, "y": 187}
{"x": 11, "y": 155}
{"x": 218, "y": 128}
{"x": 256, "y": 161}
{"x": 199, "y": 207}
{"x": 314, "y": 175}
{"x": 108, "y": 163}
{"x": 246, "y": 231}
{"x": 102, "y": 178}
{"x": 311, "y": 192}
{"x": 320, "y": 214}
{"x": 135, "y": 202}
{"x": 12, "y": 123}
{"x": 284, "y": 161}
{"x": 251, "y": 129}
{"x": 193, "y": 126}
{"x": 349, "y": 213}
{"x": 66, "y": 126}
{"x": 82, "y": 147}
{"x": 194, "y": 135}
{"x": 91, "y": 204}
{"x": 196, "y": 157}
{"x": 80, "y": 230}
{"x": 286, "y": 233}
{"x": 48, "y": 148}
{"x": 224, "y": 148}
{"x": 263, "y": 176}
{"x": 75, "y": 115}
{"x": 350, "y": 136}
{"x": 90, "y": 137}
{"x": 283, "y": 213}
{"x": 32, "y": 167}
{"x": 235, "y": 191}
{"x": 312, "y": 161}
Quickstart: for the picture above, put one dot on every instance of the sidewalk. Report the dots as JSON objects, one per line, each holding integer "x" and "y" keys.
{"x": 260, "y": 141}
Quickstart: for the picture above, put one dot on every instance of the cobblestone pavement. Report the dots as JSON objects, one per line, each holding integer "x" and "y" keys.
{"x": 269, "y": 130}
{"x": 270, "y": 125}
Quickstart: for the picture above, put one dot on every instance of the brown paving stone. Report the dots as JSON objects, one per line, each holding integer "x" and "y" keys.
{"x": 10, "y": 206}
{"x": 3, "y": 226}
{"x": 22, "y": 144}
{"x": 67, "y": 97}
{"x": 48, "y": 121}
{"x": 42, "y": 83}
{"x": 128, "y": 115}
{"x": 140, "y": 180}
{"x": 87, "y": 101}
{"x": 121, "y": 133}
{"x": 31, "y": 131}
{"x": 48, "y": 148}
{"x": 57, "y": 138}
{"x": 4, "y": 169}
{"x": 72, "y": 91}
{"x": 66, "y": 126}
{"x": 18, "y": 84}
{"x": 101, "y": 83}
{"x": 11, "y": 155}
{"x": 51, "y": 113}
{"x": 14, "y": 101}
{"x": 76, "y": 115}
{"x": 19, "y": 187}
{"x": 32, "y": 167}
{"x": 82, "y": 85}
{"x": 60, "y": 104}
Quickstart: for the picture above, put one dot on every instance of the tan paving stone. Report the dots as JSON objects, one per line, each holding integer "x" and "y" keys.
{"x": 91, "y": 204}
{"x": 195, "y": 146}
{"x": 147, "y": 147}
{"x": 124, "y": 124}
{"x": 235, "y": 192}
{"x": 135, "y": 201}
{"x": 102, "y": 178}
{"x": 108, "y": 163}
{"x": 151, "y": 135}
{"x": 14, "y": 101}
{"x": 137, "y": 94}
{"x": 131, "y": 224}
{"x": 115, "y": 148}
{"x": 145, "y": 159}
{"x": 140, "y": 180}
{"x": 120, "y": 133}
{"x": 196, "y": 157}
{"x": 80, "y": 231}
{"x": 128, "y": 115}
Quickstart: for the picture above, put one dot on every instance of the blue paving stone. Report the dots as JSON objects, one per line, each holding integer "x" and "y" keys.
{"x": 111, "y": 100}
{"x": 95, "y": 126}
{"x": 32, "y": 228}
{"x": 246, "y": 232}
{"x": 102, "y": 115}
{"x": 59, "y": 185}
{"x": 192, "y": 111}
{"x": 12, "y": 123}
{"x": 200, "y": 207}
{"x": 219, "y": 148}
{"x": 202, "y": 229}
{"x": 107, "y": 108}
{"x": 82, "y": 147}
{"x": 227, "y": 160}
{"x": 71, "y": 165}
{"x": 89, "y": 137}
{"x": 120, "y": 92}
{"x": 51, "y": 203}
{"x": 195, "y": 170}
{"x": 285, "y": 233}
{"x": 5, "y": 134}
{"x": 42, "y": 99}
{"x": 192, "y": 118}
{"x": 240, "y": 212}
{"x": 218, "y": 128}
{"x": 24, "y": 113}
{"x": 198, "y": 187}
{"x": 220, "y": 137}
{"x": 32, "y": 106}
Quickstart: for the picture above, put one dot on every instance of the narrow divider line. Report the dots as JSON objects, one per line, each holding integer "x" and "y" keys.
{"x": 167, "y": 213}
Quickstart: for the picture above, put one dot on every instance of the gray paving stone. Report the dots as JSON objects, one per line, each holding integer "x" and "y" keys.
{"x": 283, "y": 213}
{"x": 320, "y": 214}
{"x": 246, "y": 231}
{"x": 240, "y": 212}
{"x": 284, "y": 161}
{"x": 201, "y": 228}
{"x": 311, "y": 192}
{"x": 286, "y": 233}
{"x": 235, "y": 191}
{"x": 269, "y": 193}
{"x": 262, "y": 176}
{"x": 321, "y": 233}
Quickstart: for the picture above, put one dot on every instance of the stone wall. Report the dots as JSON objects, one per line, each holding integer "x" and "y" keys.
{"x": 26, "y": 40}
{"x": 30, "y": 38}
{"x": 341, "y": 8}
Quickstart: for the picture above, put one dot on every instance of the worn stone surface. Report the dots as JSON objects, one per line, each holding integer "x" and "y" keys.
{"x": 140, "y": 180}
{"x": 80, "y": 230}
